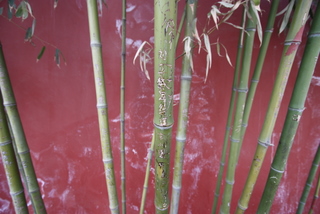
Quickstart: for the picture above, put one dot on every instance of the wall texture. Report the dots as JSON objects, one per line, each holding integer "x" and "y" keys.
{"x": 57, "y": 108}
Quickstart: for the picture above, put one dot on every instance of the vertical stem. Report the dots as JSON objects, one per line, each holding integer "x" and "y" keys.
{"x": 164, "y": 64}
{"x": 291, "y": 45}
{"x": 122, "y": 108}
{"x": 191, "y": 8}
{"x": 102, "y": 109}
{"x": 242, "y": 93}
{"x": 146, "y": 178}
{"x": 311, "y": 176}
{"x": 20, "y": 139}
{"x": 294, "y": 113}
{"x": 10, "y": 165}
{"x": 230, "y": 116}
{"x": 316, "y": 196}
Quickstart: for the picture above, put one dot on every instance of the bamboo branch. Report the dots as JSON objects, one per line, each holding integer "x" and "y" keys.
{"x": 315, "y": 197}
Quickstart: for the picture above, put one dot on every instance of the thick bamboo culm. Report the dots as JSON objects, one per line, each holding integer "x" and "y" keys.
{"x": 164, "y": 64}
{"x": 315, "y": 197}
{"x": 102, "y": 107}
{"x": 296, "y": 107}
{"x": 122, "y": 107}
{"x": 258, "y": 68}
{"x": 21, "y": 144}
{"x": 242, "y": 90}
{"x": 11, "y": 166}
{"x": 291, "y": 45}
{"x": 147, "y": 175}
{"x": 185, "y": 85}
{"x": 230, "y": 116}
{"x": 311, "y": 176}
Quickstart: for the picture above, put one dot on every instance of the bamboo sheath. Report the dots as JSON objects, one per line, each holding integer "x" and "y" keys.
{"x": 102, "y": 109}
{"x": 122, "y": 107}
{"x": 230, "y": 116}
{"x": 311, "y": 176}
{"x": 258, "y": 68}
{"x": 292, "y": 42}
{"x": 11, "y": 166}
{"x": 294, "y": 113}
{"x": 315, "y": 197}
{"x": 164, "y": 64}
{"x": 185, "y": 85}
{"x": 22, "y": 147}
{"x": 242, "y": 93}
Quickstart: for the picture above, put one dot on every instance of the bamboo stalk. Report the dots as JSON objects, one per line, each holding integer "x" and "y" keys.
{"x": 122, "y": 107}
{"x": 230, "y": 116}
{"x": 186, "y": 77}
{"x": 23, "y": 151}
{"x": 294, "y": 113}
{"x": 11, "y": 166}
{"x": 146, "y": 178}
{"x": 164, "y": 64}
{"x": 102, "y": 109}
{"x": 258, "y": 68}
{"x": 242, "y": 93}
{"x": 311, "y": 176}
{"x": 315, "y": 197}
{"x": 291, "y": 45}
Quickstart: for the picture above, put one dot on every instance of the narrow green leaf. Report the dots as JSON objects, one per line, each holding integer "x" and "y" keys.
{"x": 28, "y": 35}
{"x": 41, "y": 53}
{"x": 57, "y": 57}
{"x": 11, "y": 3}
{"x": 22, "y": 11}
{"x": 33, "y": 27}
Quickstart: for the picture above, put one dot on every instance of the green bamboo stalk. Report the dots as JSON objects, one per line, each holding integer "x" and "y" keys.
{"x": 294, "y": 113}
{"x": 183, "y": 17}
{"x": 164, "y": 64}
{"x": 146, "y": 178}
{"x": 311, "y": 176}
{"x": 230, "y": 116}
{"x": 258, "y": 68}
{"x": 291, "y": 45}
{"x": 102, "y": 109}
{"x": 315, "y": 197}
{"x": 186, "y": 77}
{"x": 122, "y": 107}
{"x": 242, "y": 93}
{"x": 23, "y": 151}
{"x": 11, "y": 166}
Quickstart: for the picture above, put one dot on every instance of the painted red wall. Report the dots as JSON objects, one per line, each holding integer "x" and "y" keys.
{"x": 58, "y": 110}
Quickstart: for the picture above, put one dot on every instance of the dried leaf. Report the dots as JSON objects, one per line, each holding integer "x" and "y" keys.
{"x": 226, "y": 4}
{"x": 33, "y": 27}
{"x": 214, "y": 13}
{"x": 227, "y": 55}
{"x": 286, "y": 16}
{"x": 41, "y": 53}
{"x": 29, "y": 8}
{"x": 209, "y": 54}
{"x": 196, "y": 34}
{"x": 218, "y": 47}
{"x": 139, "y": 50}
{"x": 187, "y": 49}
{"x": 55, "y": 4}
{"x": 255, "y": 10}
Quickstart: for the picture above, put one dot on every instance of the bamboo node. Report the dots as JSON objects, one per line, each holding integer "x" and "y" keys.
{"x": 9, "y": 104}
{"x": 316, "y": 165}
{"x": 265, "y": 144}
{"x": 24, "y": 152}
{"x": 253, "y": 80}
{"x": 309, "y": 185}
{"x": 244, "y": 124}
{"x": 216, "y": 194}
{"x": 5, "y": 143}
{"x": 242, "y": 207}
{"x": 34, "y": 191}
{"x": 251, "y": 29}
{"x": 229, "y": 182}
{"x": 297, "y": 109}
{"x": 279, "y": 171}
{"x": 234, "y": 140}
{"x": 181, "y": 139}
{"x": 292, "y": 43}
{"x": 222, "y": 163}
{"x": 302, "y": 203}
{"x": 102, "y": 106}
{"x": 162, "y": 127}
{"x": 176, "y": 187}
{"x": 16, "y": 193}
{"x": 95, "y": 44}
{"x": 314, "y": 35}
{"x": 186, "y": 77}
{"x": 114, "y": 208}
{"x": 109, "y": 160}
{"x": 242, "y": 90}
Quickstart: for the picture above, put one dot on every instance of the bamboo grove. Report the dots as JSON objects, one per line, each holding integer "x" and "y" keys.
{"x": 179, "y": 42}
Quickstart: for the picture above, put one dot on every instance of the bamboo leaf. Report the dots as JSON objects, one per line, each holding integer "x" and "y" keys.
{"x": 218, "y": 47}
{"x": 41, "y": 53}
{"x": 196, "y": 34}
{"x": 214, "y": 13}
{"x": 57, "y": 57}
{"x": 22, "y": 11}
{"x": 226, "y": 4}
{"x": 28, "y": 35}
{"x": 286, "y": 16}
{"x": 187, "y": 49}
{"x": 209, "y": 54}
{"x": 227, "y": 55}
{"x": 33, "y": 27}
{"x": 55, "y": 4}
{"x": 255, "y": 9}
{"x": 29, "y": 9}
{"x": 139, "y": 50}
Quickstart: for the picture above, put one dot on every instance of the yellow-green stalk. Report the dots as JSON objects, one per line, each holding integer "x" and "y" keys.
{"x": 22, "y": 147}
{"x": 102, "y": 109}
{"x": 164, "y": 64}
{"x": 291, "y": 45}
{"x": 315, "y": 197}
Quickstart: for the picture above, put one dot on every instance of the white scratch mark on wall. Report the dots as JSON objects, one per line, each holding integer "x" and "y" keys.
{"x": 315, "y": 80}
{"x": 71, "y": 172}
{"x": 4, "y": 206}
{"x": 195, "y": 174}
{"x": 137, "y": 43}
{"x": 129, "y": 41}
{"x": 118, "y": 26}
{"x": 130, "y": 7}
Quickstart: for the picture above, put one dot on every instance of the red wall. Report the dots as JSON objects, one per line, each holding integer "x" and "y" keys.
{"x": 58, "y": 110}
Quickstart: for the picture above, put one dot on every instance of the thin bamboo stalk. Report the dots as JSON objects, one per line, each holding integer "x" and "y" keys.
{"x": 294, "y": 113}
{"x": 291, "y": 45}
{"x": 102, "y": 109}
{"x": 122, "y": 107}
{"x": 164, "y": 64}
{"x": 242, "y": 93}
{"x": 311, "y": 176}
{"x": 185, "y": 85}
{"x": 230, "y": 116}
{"x": 315, "y": 197}
{"x": 147, "y": 175}
{"x": 258, "y": 68}
{"x": 23, "y": 151}
{"x": 182, "y": 20}
{"x": 11, "y": 166}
